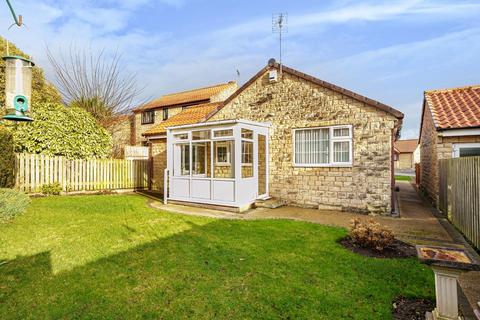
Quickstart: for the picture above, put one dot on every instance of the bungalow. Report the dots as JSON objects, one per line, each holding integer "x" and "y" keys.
{"x": 450, "y": 128}
{"x": 287, "y": 135}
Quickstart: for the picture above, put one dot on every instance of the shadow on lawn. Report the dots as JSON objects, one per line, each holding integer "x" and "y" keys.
{"x": 225, "y": 269}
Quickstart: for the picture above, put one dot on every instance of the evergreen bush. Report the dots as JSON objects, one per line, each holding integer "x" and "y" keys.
{"x": 7, "y": 159}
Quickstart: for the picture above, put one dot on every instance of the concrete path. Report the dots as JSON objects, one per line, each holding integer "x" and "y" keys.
{"x": 416, "y": 224}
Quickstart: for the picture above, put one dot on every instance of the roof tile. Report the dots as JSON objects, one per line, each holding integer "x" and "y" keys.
{"x": 189, "y": 115}
{"x": 456, "y": 107}
{"x": 185, "y": 97}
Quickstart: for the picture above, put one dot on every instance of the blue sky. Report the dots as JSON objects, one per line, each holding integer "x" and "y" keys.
{"x": 390, "y": 51}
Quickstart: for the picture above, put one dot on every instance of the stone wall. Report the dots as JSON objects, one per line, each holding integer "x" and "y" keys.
{"x": 405, "y": 161}
{"x": 296, "y": 103}
{"x": 142, "y": 128}
{"x": 428, "y": 156}
{"x": 223, "y": 95}
{"x": 159, "y": 158}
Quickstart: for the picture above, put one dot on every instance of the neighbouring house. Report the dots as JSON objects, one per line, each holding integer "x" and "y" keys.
{"x": 287, "y": 135}
{"x": 170, "y": 110}
{"x": 153, "y": 113}
{"x": 450, "y": 128}
{"x": 404, "y": 153}
{"x": 121, "y": 128}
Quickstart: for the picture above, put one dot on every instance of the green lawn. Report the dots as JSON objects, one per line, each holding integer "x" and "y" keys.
{"x": 403, "y": 178}
{"x": 112, "y": 257}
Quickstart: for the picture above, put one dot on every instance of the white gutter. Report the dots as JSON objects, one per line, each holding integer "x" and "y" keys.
{"x": 459, "y": 132}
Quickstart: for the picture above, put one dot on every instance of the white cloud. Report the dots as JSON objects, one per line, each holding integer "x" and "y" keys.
{"x": 166, "y": 62}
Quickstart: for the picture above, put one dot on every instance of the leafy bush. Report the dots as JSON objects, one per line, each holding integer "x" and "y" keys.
{"x": 12, "y": 203}
{"x": 62, "y": 131}
{"x": 370, "y": 235}
{"x": 7, "y": 159}
{"x": 53, "y": 189}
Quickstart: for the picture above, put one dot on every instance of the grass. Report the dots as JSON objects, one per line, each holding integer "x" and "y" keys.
{"x": 112, "y": 257}
{"x": 403, "y": 178}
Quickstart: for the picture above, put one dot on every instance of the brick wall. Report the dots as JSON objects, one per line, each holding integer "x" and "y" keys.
{"x": 296, "y": 103}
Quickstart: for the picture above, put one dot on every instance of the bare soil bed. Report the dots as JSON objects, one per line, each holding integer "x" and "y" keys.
{"x": 398, "y": 249}
{"x": 411, "y": 308}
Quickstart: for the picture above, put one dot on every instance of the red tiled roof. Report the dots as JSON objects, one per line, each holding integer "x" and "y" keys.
{"x": 406, "y": 146}
{"x": 186, "y": 97}
{"x": 455, "y": 108}
{"x": 189, "y": 115}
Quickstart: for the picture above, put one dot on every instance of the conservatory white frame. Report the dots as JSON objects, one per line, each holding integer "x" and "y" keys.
{"x": 237, "y": 191}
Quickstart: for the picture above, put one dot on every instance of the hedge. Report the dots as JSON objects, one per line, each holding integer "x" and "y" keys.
{"x": 7, "y": 159}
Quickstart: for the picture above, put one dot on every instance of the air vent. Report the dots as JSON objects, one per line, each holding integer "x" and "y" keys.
{"x": 272, "y": 76}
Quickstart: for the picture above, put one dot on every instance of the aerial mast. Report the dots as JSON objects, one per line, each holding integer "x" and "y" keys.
{"x": 279, "y": 25}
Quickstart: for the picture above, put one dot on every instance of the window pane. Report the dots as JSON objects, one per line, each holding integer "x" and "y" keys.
{"x": 180, "y": 136}
{"x": 165, "y": 113}
{"x": 185, "y": 159}
{"x": 201, "y": 135}
{"x": 247, "y": 159}
{"x": 341, "y": 132}
{"x": 200, "y": 158}
{"x": 341, "y": 151}
{"x": 247, "y": 134}
{"x": 311, "y": 146}
{"x": 223, "y": 133}
{"x": 247, "y": 152}
{"x": 224, "y": 163}
{"x": 148, "y": 117}
{"x": 470, "y": 152}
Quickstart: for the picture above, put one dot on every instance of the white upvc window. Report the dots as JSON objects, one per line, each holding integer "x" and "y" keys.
{"x": 461, "y": 150}
{"x": 222, "y": 153}
{"x": 323, "y": 146}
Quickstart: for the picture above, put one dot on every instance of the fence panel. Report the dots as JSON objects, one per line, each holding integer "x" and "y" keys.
{"x": 34, "y": 170}
{"x": 459, "y": 193}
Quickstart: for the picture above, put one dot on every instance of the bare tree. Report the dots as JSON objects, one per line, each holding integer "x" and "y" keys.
{"x": 94, "y": 81}
{"x": 98, "y": 83}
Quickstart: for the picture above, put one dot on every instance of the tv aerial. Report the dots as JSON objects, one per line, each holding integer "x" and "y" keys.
{"x": 279, "y": 25}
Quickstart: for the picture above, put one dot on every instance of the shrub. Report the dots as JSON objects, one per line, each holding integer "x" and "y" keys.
{"x": 370, "y": 235}
{"x": 12, "y": 203}
{"x": 62, "y": 131}
{"x": 7, "y": 159}
{"x": 52, "y": 189}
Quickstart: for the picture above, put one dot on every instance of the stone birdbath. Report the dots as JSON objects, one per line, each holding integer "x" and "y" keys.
{"x": 447, "y": 264}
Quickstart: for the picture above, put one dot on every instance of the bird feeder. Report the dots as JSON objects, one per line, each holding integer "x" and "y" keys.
{"x": 18, "y": 87}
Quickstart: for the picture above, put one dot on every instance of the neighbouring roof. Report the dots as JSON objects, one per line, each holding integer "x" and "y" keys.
{"x": 406, "y": 146}
{"x": 186, "y": 97}
{"x": 455, "y": 108}
{"x": 351, "y": 94}
{"x": 189, "y": 115}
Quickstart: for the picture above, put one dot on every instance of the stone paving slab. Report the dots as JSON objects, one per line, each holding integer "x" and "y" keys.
{"x": 416, "y": 225}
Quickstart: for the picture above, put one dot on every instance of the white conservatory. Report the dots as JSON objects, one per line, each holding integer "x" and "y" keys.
{"x": 221, "y": 163}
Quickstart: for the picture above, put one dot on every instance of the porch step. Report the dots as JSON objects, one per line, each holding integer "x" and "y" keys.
{"x": 271, "y": 203}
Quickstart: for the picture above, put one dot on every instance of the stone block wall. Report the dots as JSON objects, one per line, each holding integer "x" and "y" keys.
{"x": 296, "y": 103}
{"x": 159, "y": 162}
{"x": 140, "y": 128}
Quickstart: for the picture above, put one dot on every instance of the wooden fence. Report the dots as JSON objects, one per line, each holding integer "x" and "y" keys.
{"x": 35, "y": 170}
{"x": 459, "y": 195}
